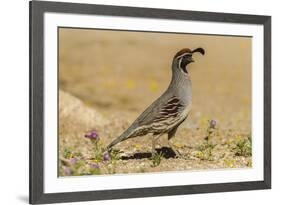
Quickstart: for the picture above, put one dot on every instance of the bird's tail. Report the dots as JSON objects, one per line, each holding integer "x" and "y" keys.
{"x": 125, "y": 135}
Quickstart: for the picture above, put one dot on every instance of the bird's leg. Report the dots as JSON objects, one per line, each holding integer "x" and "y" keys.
{"x": 178, "y": 154}
{"x": 171, "y": 134}
{"x": 157, "y": 137}
{"x": 154, "y": 138}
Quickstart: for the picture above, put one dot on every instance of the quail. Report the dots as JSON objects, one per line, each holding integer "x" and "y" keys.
{"x": 167, "y": 112}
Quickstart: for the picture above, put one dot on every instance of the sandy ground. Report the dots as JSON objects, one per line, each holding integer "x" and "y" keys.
{"x": 108, "y": 78}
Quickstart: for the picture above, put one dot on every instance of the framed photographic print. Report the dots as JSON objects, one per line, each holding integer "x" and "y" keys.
{"x": 139, "y": 102}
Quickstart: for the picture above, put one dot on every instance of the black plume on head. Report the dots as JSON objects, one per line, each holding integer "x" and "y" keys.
{"x": 200, "y": 50}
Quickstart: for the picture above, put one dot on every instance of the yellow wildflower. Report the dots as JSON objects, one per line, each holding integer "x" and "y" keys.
{"x": 131, "y": 84}
{"x": 153, "y": 86}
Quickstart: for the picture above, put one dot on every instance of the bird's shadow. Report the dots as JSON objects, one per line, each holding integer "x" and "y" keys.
{"x": 167, "y": 153}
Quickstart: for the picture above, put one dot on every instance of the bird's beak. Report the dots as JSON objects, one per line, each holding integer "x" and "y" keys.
{"x": 191, "y": 59}
{"x": 200, "y": 50}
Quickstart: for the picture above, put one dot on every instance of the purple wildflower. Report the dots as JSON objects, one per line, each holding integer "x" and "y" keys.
{"x": 67, "y": 170}
{"x": 106, "y": 157}
{"x": 92, "y": 135}
{"x": 95, "y": 166}
{"x": 213, "y": 124}
{"x": 73, "y": 160}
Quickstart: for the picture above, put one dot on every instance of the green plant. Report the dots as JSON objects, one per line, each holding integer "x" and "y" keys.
{"x": 156, "y": 159}
{"x": 101, "y": 156}
{"x": 94, "y": 169}
{"x": 211, "y": 129}
{"x": 115, "y": 154}
{"x": 99, "y": 153}
{"x": 243, "y": 147}
{"x": 205, "y": 154}
{"x": 206, "y": 147}
{"x": 67, "y": 153}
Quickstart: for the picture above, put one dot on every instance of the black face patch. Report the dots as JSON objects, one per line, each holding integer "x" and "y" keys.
{"x": 185, "y": 60}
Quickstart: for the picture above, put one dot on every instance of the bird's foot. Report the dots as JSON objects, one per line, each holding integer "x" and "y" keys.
{"x": 153, "y": 152}
{"x": 177, "y": 152}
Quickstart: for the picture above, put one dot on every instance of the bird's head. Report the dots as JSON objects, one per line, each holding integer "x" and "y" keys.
{"x": 184, "y": 57}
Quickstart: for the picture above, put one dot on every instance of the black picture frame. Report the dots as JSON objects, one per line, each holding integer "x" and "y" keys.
{"x": 37, "y": 10}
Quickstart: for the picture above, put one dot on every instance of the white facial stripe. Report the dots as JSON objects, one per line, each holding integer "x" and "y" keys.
{"x": 180, "y": 67}
{"x": 179, "y": 63}
{"x": 183, "y": 55}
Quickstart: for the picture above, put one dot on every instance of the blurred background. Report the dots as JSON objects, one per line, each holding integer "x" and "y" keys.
{"x": 124, "y": 71}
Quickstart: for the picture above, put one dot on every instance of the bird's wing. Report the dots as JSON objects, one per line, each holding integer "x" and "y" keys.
{"x": 160, "y": 110}
{"x": 171, "y": 109}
